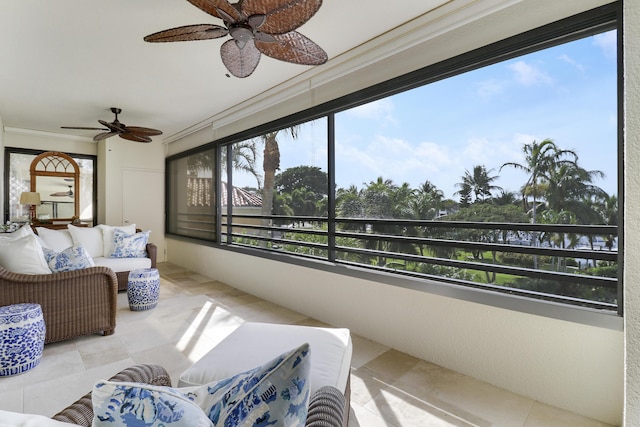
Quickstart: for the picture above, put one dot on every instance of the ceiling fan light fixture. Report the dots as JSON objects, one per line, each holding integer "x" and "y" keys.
{"x": 256, "y": 27}
{"x": 241, "y": 33}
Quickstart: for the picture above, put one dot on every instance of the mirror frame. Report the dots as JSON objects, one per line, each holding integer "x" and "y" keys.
{"x": 56, "y": 164}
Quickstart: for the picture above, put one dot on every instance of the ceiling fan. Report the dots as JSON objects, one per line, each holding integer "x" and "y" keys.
{"x": 132, "y": 133}
{"x": 68, "y": 193}
{"x": 255, "y": 27}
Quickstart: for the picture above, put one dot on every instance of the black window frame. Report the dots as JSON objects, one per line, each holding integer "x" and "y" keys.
{"x": 601, "y": 19}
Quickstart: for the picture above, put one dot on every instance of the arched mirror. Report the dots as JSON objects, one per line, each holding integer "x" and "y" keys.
{"x": 55, "y": 177}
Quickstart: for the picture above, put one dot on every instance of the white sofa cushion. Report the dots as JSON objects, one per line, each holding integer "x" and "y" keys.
{"x": 23, "y": 255}
{"x": 123, "y": 264}
{"x": 253, "y": 344}
{"x": 90, "y": 237}
{"x": 56, "y": 240}
{"x": 107, "y": 235}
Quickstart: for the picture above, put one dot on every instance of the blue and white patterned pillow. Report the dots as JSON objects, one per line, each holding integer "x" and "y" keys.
{"x": 127, "y": 245}
{"x": 75, "y": 257}
{"x": 136, "y": 404}
{"x": 274, "y": 394}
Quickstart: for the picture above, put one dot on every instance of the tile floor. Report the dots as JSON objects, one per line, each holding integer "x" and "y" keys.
{"x": 388, "y": 387}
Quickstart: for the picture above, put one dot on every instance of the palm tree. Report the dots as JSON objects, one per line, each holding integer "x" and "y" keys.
{"x": 270, "y": 164}
{"x": 243, "y": 159}
{"x": 348, "y": 203}
{"x": 570, "y": 189}
{"x": 539, "y": 160}
{"x": 479, "y": 183}
{"x": 426, "y": 201}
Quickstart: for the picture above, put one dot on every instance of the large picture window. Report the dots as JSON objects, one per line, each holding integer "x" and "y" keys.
{"x": 503, "y": 176}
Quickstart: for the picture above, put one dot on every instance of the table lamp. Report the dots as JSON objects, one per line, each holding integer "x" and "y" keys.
{"x": 32, "y": 199}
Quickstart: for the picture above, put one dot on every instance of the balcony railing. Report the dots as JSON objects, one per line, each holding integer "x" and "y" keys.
{"x": 566, "y": 263}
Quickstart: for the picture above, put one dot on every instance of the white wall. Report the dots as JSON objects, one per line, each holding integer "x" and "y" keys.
{"x": 119, "y": 158}
{"x": 570, "y": 365}
{"x": 632, "y": 211}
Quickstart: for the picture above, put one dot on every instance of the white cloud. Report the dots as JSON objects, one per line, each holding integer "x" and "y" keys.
{"x": 489, "y": 88}
{"x": 378, "y": 110}
{"x": 566, "y": 58}
{"x": 528, "y": 75}
{"x": 608, "y": 43}
{"x": 391, "y": 158}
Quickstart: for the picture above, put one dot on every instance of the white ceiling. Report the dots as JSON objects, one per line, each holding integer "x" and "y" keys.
{"x": 65, "y": 62}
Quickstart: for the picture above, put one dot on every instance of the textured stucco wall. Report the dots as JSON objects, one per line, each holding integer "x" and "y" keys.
{"x": 632, "y": 211}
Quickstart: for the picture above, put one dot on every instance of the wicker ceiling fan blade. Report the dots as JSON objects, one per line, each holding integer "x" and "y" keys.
{"x": 240, "y": 62}
{"x": 188, "y": 33}
{"x": 142, "y": 131}
{"x": 295, "y": 48}
{"x": 101, "y": 136}
{"x": 114, "y": 126}
{"x": 133, "y": 137}
{"x": 282, "y": 16}
{"x": 211, "y": 7}
{"x": 81, "y": 128}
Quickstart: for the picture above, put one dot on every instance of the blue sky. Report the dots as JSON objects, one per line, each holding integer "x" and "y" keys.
{"x": 566, "y": 93}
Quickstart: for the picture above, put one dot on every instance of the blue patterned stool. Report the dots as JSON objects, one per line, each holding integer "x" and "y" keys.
{"x": 143, "y": 289}
{"x": 22, "y": 333}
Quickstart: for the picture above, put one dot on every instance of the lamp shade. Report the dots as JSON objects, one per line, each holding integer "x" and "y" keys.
{"x": 30, "y": 198}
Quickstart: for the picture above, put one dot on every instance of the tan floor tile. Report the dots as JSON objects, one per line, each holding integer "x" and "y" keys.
{"x": 98, "y": 351}
{"x": 365, "y": 350}
{"x": 11, "y": 399}
{"x": 361, "y": 417}
{"x": 389, "y": 388}
{"x": 461, "y": 396}
{"x": 392, "y": 364}
{"x": 366, "y": 385}
{"x": 398, "y": 408}
{"x": 545, "y": 416}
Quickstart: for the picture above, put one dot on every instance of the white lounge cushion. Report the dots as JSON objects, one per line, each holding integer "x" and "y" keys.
{"x": 16, "y": 419}
{"x": 253, "y": 344}
{"x": 90, "y": 237}
{"x": 123, "y": 264}
{"x": 56, "y": 240}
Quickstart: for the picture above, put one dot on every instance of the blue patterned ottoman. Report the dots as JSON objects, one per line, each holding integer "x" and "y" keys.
{"x": 22, "y": 331}
{"x": 143, "y": 289}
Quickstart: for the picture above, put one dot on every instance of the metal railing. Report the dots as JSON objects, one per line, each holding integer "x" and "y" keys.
{"x": 441, "y": 250}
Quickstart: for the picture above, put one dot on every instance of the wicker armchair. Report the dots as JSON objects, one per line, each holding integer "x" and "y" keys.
{"x": 326, "y": 406}
{"x": 74, "y": 303}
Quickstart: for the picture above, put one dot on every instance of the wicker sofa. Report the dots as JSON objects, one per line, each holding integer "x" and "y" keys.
{"x": 74, "y": 303}
{"x": 327, "y": 406}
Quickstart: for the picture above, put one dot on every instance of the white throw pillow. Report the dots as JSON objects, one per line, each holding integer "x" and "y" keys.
{"x": 23, "y": 255}
{"x": 16, "y": 419}
{"x": 23, "y": 231}
{"x": 107, "y": 235}
{"x": 56, "y": 240}
{"x": 90, "y": 237}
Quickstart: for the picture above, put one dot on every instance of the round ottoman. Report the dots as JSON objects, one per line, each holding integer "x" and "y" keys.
{"x": 143, "y": 289}
{"x": 22, "y": 333}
